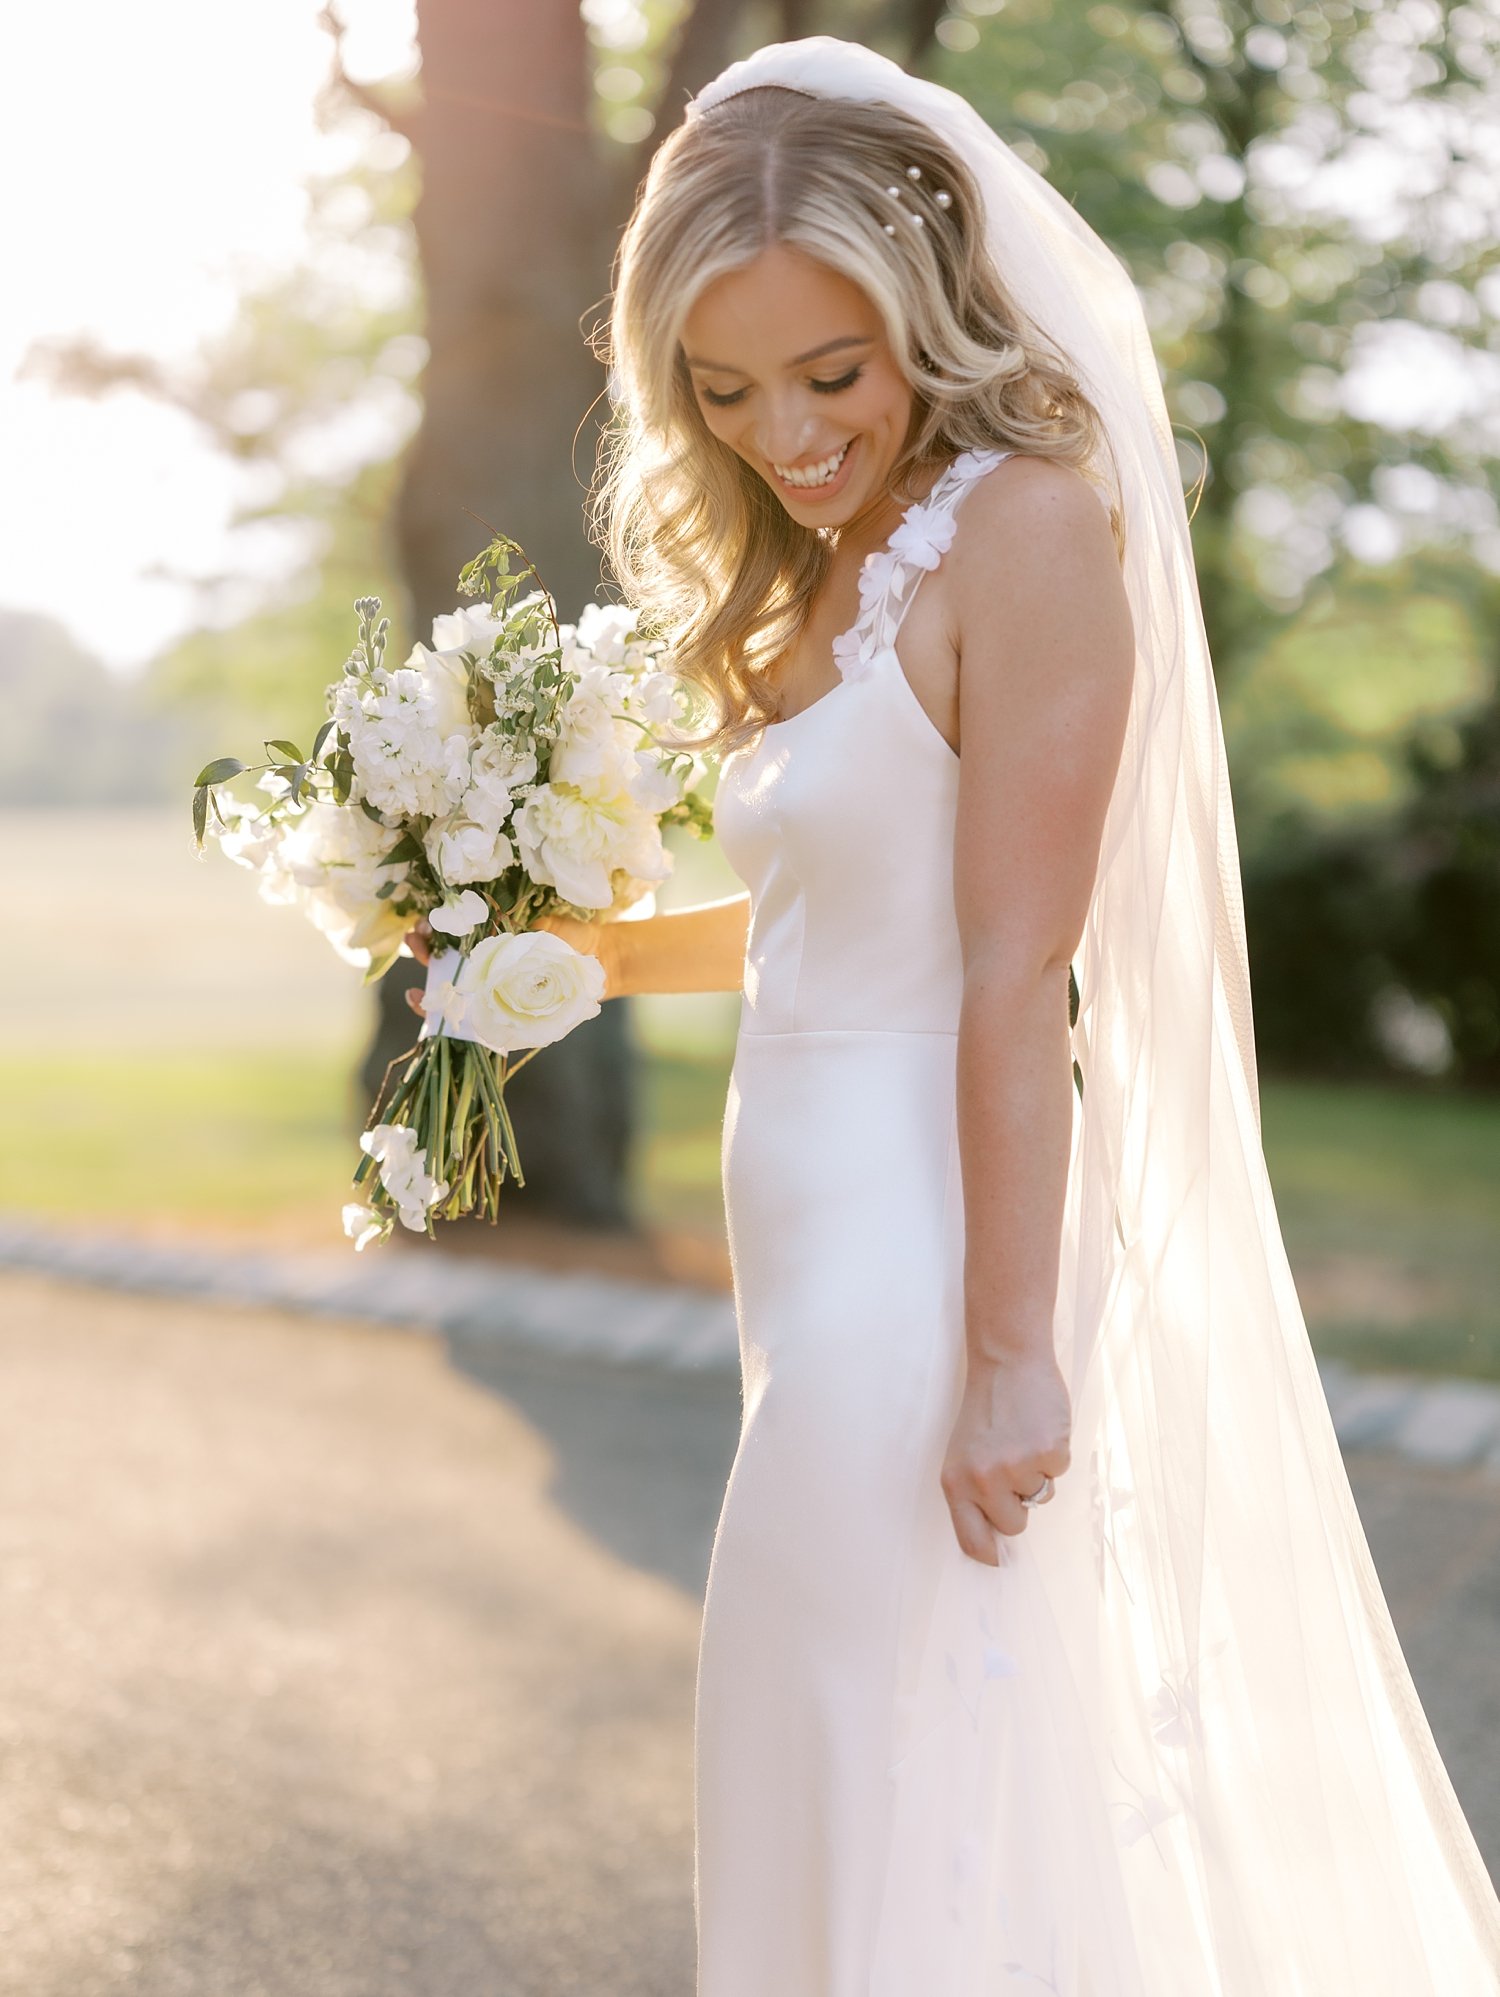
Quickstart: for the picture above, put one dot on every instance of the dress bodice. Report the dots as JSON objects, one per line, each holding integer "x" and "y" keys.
{"x": 840, "y": 821}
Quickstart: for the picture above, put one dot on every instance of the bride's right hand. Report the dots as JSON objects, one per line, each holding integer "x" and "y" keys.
{"x": 419, "y": 942}
{"x": 592, "y": 939}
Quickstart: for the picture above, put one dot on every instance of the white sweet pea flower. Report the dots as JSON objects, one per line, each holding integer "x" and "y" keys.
{"x": 445, "y": 681}
{"x": 333, "y": 858}
{"x": 363, "y": 1224}
{"x": 249, "y": 839}
{"x": 469, "y": 843}
{"x": 605, "y": 632}
{"x": 403, "y": 1171}
{"x": 655, "y": 698}
{"x": 653, "y": 785}
{"x": 472, "y": 627}
{"x": 457, "y": 918}
{"x": 527, "y": 990}
{"x": 442, "y": 1002}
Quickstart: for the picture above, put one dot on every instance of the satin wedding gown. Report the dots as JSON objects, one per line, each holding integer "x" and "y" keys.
{"x": 910, "y": 1777}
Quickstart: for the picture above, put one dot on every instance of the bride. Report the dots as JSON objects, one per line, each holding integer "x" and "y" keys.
{"x": 1042, "y": 1648}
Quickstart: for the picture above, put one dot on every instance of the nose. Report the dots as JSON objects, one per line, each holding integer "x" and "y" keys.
{"x": 787, "y": 430}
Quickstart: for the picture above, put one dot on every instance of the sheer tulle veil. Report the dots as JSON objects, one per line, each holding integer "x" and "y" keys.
{"x": 1248, "y": 1791}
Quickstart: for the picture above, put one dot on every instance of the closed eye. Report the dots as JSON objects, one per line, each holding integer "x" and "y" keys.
{"x": 818, "y": 387}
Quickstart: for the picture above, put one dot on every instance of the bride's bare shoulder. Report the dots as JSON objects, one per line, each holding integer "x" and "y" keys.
{"x": 1032, "y": 528}
{"x": 1032, "y": 502}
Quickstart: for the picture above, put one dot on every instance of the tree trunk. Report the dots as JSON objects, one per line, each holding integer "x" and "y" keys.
{"x": 512, "y": 231}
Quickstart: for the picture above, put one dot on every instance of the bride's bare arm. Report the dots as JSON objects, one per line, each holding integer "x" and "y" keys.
{"x": 697, "y": 949}
{"x": 1043, "y": 625}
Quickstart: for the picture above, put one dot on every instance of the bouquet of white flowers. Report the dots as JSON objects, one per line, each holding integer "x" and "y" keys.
{"x": 509, "y": 771}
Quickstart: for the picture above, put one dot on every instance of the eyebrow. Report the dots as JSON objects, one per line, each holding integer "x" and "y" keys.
{"x": 813, "y": 354}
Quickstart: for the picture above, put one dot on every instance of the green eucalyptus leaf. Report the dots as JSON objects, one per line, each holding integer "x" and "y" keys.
{"x": 320, "y": 738}
{"x": 219, "y": 772}
{"x": 200, "y": 814}
{"x": 407, "y": 847}
{"x": 288, "y": 749}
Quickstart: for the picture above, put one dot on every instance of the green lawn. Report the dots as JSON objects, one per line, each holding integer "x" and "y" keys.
{"x": 1388, "y": 1198}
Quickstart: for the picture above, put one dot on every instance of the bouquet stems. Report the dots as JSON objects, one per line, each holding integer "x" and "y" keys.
{"x": 450, "y": 1094}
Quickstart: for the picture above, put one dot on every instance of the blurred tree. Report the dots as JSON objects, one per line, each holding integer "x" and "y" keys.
{"x": 75, "y": 733}
{"x": 532, "y": 127}
{"x": 1299, "y": 191}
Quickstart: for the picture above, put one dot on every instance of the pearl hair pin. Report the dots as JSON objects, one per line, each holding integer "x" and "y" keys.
{"x": 941, "y": 198}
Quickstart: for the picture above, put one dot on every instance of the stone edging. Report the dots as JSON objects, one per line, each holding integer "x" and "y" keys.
{"x": 1450, "y": 1422}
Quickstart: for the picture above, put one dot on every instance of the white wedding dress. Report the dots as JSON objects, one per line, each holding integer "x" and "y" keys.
{"x": 919, "y": 1776}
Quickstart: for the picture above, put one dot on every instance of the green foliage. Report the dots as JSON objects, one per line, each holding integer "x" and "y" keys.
{"x": 1199, "y": 139}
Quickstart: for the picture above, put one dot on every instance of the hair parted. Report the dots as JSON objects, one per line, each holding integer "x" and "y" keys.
{"x": 696, "y": 538}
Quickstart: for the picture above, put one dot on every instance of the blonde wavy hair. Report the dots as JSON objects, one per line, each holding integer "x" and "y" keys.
{"x": 696, "y": 538}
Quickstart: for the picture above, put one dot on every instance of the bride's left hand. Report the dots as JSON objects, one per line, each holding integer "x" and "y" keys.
{"x": 1012, "y": 1431}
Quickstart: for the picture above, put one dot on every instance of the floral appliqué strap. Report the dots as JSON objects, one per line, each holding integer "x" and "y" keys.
{"x": 889, "y": 577}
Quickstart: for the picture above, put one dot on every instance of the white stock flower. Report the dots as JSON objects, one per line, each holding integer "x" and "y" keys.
{"x": 409, "y": 735}
{"x": 457, "y": 918}
{"x": 527, "y": 990}
{"x": 403, "y": 1171}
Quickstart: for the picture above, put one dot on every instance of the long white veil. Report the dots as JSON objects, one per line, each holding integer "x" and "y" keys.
{"x": 1241, "y": 1778}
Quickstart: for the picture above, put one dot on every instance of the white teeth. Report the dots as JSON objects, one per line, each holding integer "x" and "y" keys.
{"x": 818, "y": 474}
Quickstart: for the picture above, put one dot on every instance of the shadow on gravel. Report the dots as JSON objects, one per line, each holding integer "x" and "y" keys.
{"x": 643, "y": 1452}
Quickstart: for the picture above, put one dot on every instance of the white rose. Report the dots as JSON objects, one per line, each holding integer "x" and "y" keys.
{"x": 527, "y": 990}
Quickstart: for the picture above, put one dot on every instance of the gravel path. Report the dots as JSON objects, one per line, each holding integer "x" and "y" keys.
{"x": 339, "y": 1661}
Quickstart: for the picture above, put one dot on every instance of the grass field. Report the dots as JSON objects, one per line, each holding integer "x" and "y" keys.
{"x": 182, "y": 1062}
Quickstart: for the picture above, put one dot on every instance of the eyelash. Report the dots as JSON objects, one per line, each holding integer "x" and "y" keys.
{"x": 818, "y": 387}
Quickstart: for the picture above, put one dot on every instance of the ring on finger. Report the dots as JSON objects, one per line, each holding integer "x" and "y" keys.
{"x": 1040, "y": 1495}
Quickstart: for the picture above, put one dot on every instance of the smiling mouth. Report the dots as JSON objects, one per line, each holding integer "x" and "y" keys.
{"x": 809, "y": 477}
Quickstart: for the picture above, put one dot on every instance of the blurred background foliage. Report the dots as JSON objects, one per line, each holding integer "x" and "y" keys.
{"x": 1307, "y": 196}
